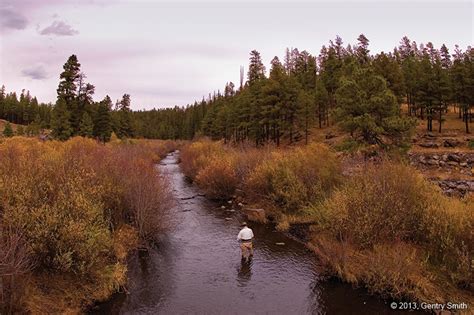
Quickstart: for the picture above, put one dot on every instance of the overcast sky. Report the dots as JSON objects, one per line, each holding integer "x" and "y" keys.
{"x": 167, "y": 53}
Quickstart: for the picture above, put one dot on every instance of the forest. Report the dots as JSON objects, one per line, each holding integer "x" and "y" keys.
{"x": 347, "y": 85}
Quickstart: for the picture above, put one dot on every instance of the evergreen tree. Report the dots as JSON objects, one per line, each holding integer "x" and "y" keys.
{"x": 322, "y": 101}
{"x": 367, "y": 108}
{"x": 60, "y": 122}
{"x": 8, "y": 131}
{"x": 124, "y": 128}
{"x": 256, "y": 67}
{"x": 86, "y": 127}
{"x": 102, "y": 123}
{"x": 362, "y": 50}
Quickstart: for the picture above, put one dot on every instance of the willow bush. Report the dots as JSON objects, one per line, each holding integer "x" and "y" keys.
{"x": 78, "y": 207}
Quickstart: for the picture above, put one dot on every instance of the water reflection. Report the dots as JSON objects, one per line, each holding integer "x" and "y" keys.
{"x": 244, "y": 273}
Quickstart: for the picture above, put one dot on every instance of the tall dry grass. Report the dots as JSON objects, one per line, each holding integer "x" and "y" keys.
{"x": 79, "y": 207}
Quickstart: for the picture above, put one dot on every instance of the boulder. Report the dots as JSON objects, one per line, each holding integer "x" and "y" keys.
{"x": 454, "y": 157}
{"x": 429, "y": 145}
{"x": 451, "y": 143}
{"x": 432, "y": 162}
{"x": 256, "y": 215}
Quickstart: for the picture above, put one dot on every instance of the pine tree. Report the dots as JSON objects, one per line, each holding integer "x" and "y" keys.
{"x": 124, "y": 128}
{"x": 102, "y": 123}
{"x": 305, "y": 113}
{"x": 86, "y": 127}
{"x": 256, "y": 67}
{"x": 8, "y": 131}
{"x": 60, "y": 122}
{"x": 367, "y": 108}
{"x": 362, "y": 50}
{"x": 322, "y": 103}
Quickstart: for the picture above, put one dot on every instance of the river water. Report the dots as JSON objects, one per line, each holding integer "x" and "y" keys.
{"x": 196, "y": 269}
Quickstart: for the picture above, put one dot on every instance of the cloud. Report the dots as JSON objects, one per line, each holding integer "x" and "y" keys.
{"x": 36, "y": 72}
{"x": 59, "y": 28}
{"x": 10, "y": 19}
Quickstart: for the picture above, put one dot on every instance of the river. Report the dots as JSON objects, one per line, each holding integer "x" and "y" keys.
{"x": 196, "y": 269}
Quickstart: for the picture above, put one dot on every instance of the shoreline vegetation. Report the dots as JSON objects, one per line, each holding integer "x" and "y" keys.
{"x": 70, "y": 213}
{"x": 72, "y": 208}
{"x": 385, "y": 228}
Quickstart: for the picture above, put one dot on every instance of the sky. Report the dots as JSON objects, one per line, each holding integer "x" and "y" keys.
{"x": 167, "y": 53}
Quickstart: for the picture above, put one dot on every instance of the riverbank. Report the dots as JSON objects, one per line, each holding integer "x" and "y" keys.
{"x": 70, "y": 214}
{"x": 197, "y": 267}
{"x": 384, "y": 227}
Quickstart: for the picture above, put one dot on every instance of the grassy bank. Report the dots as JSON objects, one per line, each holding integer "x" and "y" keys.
{"x": 70, "y": 212}
{"x": 386, "y": 227}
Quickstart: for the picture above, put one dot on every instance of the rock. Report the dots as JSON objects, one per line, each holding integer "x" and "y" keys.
{"x": 229, "y": 202}
{"x": 432, "y": 162}
{"x": 463, "y": 164}
{"x": 450, "y": 184}
{"x": 230, "y": 210}
{"x": 280, "y": 243}
{"x": 452, "y": 163}
{"x": 442, "y": 163}
{"x": 444, "y": 157}
{"x": 429, "y": 145}
{"x": 471, "y": 185}
{"x": 454, "y": 157}
{"x": 228, "y": 219}
{"x": 240, "y": 204}
{"x": 222, "y": 207}
{"x": 451, "y": 143}
{"x": 256, "y": 215}
{"x": 435, "y": 157}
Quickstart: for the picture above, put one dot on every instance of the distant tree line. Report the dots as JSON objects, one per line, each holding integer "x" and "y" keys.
{"x": 364, "y": 93}
{"x": 374, "y": 97}
{"x": 24, "y": 110}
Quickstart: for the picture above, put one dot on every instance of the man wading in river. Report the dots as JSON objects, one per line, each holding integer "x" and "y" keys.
{"x": 245, "y": 237}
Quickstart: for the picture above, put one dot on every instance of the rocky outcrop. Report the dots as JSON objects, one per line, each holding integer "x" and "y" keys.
{"x": 462, "y": 162}
{"x": 256, "y": 215}
{"x": 451, "y": 143}
{"x": 453, "y": 187}
{"x": 452, "y": 164}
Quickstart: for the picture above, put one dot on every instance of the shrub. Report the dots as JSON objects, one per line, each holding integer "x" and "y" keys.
{"x": 470, "y": 144}
{"x": 391, "y": 204}
{"x": 197, "y": 155}
{"x": 290, "y": 180}
{"x": 74, "y": 204}
{"x": 385, "y": 202}
{"x": 218, "y": 179}
{"x": 396, "y": 270}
